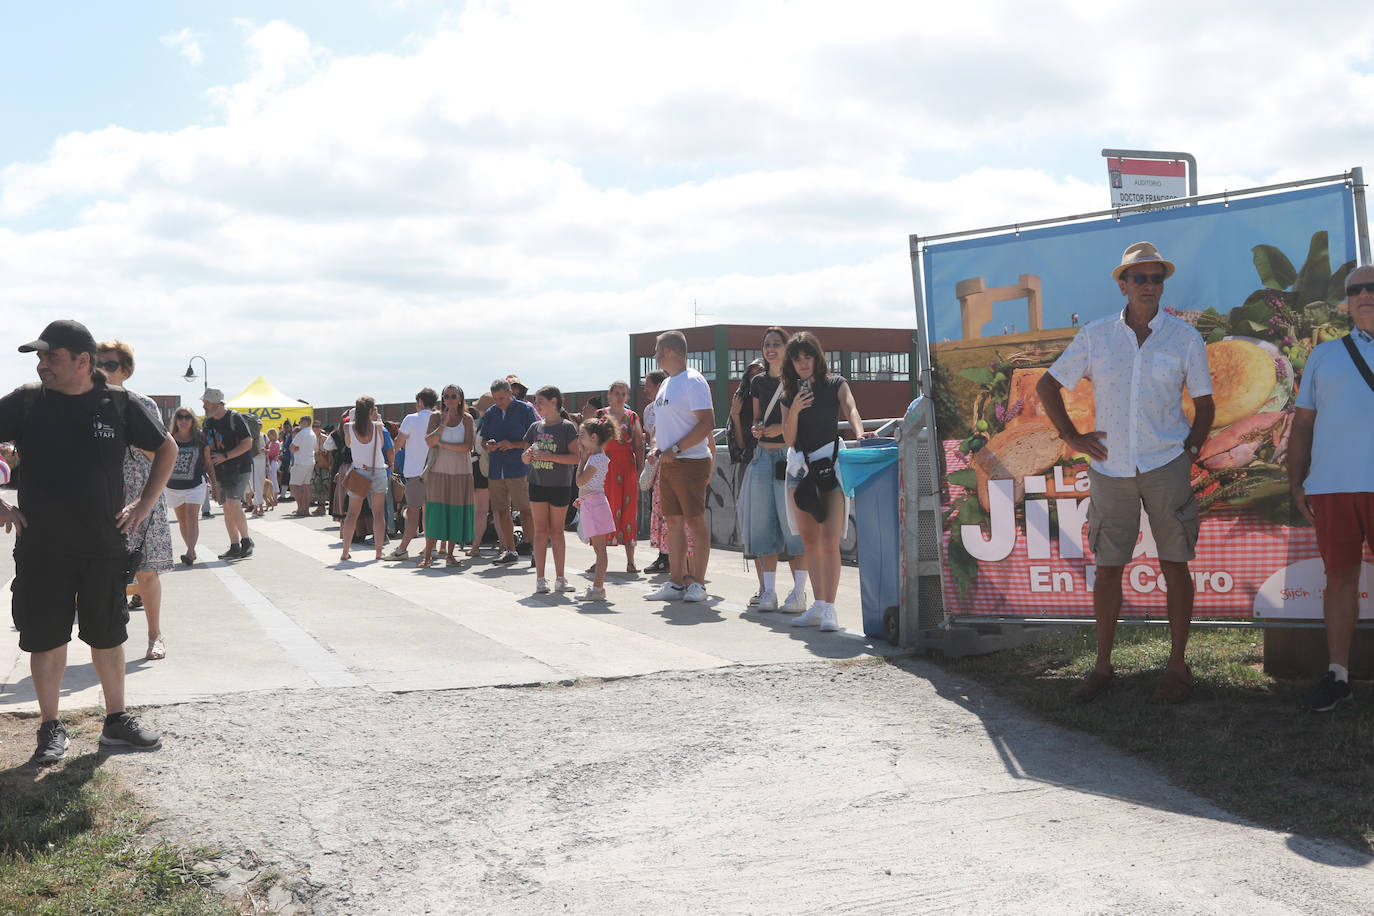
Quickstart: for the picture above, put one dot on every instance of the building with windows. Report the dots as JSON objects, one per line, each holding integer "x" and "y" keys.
{"x": 878, "y": 362}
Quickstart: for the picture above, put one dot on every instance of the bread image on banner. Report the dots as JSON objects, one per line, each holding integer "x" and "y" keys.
{"x": 1028, "y": 448}
{"x": 1078, "y": 401}
{"x": 1251, "y": 385}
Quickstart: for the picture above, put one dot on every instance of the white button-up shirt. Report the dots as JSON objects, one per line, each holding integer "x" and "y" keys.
{"x": 1137, "y": 388}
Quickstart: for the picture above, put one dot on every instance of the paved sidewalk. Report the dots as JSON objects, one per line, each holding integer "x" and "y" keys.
{"x": 293, "y": 616}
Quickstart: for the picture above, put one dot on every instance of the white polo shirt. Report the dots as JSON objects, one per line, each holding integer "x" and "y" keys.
{"x": 1343, "y": 438}
{"x": 679, "y": 398}
{"x": 1137, "y": 388}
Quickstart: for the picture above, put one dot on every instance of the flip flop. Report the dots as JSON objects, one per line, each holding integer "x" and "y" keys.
{"x": 1175, "y": 687}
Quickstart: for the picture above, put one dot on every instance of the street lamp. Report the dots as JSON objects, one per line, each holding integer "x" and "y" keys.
{"x": 190, "y": 375}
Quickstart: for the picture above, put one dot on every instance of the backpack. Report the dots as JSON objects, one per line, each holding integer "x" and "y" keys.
{"x": 34, "y": 390}
{"x": 255, "y": 431}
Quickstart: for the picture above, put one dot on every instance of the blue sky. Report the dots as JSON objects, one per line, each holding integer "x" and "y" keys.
{"x": 370, "y": 197}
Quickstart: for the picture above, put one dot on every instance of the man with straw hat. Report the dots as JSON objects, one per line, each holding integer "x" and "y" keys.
{"x": 1139, "y": 360}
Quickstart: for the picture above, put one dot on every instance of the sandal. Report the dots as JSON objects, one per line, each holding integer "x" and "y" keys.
{"x": 453, "y": 562}
{"x": 188, "y": 559}
{"x": 1091, "y": 686}
{"x": 156, "y": 649}
{"x": 426, "y": 562}
{"x": 1175, "y": 687}
{"x": 631, "y": 569}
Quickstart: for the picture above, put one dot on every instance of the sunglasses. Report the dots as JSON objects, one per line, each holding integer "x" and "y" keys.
{"x": 1142, "y": 279}
{"x": 450, "y": 397}
{"x": 1355, "y": 289}
{"x": 109, "y": 365}
{"x": 184, "y": 416}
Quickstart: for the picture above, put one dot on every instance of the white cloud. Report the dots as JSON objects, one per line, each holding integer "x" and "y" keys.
{"x": 186, "y": 43}
{"x": 534, "y": 180}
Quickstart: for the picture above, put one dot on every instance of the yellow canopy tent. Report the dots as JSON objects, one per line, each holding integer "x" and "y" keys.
{"x": 263, "y": 400}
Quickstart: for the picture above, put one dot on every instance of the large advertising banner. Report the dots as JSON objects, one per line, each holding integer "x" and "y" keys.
{"x": 1263, "y": 281}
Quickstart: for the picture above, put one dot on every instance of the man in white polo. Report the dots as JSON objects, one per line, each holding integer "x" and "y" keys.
{"x": 1142, "y": 452}
{"x": 303, "y": 444}
{"x": 1331, "y": 475}
{"x": 684, "y": 418}
{"x": 412, "y": 439}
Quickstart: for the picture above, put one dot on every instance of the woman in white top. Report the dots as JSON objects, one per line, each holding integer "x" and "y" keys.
{"x": 370, "y": 445}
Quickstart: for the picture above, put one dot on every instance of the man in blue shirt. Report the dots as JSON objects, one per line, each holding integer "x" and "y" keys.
{"x": 1332, "y": 477}
{"x": 503, "y": 433}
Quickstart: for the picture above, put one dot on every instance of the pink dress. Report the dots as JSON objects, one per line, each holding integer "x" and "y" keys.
{"x": 594, "y": 514}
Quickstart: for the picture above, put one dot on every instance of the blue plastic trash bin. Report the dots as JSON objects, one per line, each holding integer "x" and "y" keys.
{"x": 870, "y": 477}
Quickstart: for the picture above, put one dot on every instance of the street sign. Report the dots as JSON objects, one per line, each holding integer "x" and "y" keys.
{"x": 1145, "y": 181}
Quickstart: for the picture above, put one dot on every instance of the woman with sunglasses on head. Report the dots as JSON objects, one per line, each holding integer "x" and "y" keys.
{"x": 768, "y": 533}
{"x": 154, "y": 536}
{"x": 186, "y": 487}
{"x": 370, "y": 446}
{"x": 813, "y": 403}
{"x": 448, "y": 477}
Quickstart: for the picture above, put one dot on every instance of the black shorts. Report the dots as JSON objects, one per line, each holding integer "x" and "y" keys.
{"x": 554, "y": 496}
{"x": 479, "y": 480}
{"x": 52, "y": 589}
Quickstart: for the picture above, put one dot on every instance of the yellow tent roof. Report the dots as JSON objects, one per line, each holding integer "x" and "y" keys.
{"x": 264, "y": 400}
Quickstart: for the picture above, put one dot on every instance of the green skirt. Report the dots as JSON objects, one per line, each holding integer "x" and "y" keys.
{"x": 449, "y": 523}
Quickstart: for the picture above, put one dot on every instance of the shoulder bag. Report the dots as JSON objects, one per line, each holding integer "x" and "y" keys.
{"x": 1359, "y": 360}
{"x": 357, "y": 483}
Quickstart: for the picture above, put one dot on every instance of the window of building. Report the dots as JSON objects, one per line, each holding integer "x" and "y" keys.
{"x": 704, "y": 361}
{"x": 647, "y": 364}
{"x": 740, "y": 360}
{"x": 870, "y": 366}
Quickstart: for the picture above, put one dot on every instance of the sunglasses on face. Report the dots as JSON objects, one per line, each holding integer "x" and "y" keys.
{"x": 111, "y": 365}
{"x": 1142, "y": 279}
{"x": 183, "y": 416}
{"x": 1355, "y": 289}
{"x": 450, "y": 397}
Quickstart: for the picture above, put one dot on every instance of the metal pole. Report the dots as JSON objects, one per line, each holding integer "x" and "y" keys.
{"x": 1141, "y": 208}
{"x": 1361, "y": 216}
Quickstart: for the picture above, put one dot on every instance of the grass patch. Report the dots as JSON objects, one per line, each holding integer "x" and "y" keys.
{"x": 1240, "y": 740}
{"x": 73, "y": 841}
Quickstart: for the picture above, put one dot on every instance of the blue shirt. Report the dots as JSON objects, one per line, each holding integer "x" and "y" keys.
{"x": 1343, "y": 437}
{"x": 504, "y": 425}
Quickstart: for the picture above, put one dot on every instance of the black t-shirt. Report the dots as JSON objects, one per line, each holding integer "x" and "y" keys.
{"x": 819, "y": 424}
{"x": 762, "y": 387}
{"x": 225, "y": 433}
{"x": 73, "y": 449}
{"x": 189, "y": 470}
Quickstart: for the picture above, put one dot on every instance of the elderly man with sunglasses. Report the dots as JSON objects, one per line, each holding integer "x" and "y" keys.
{"x": 1332, "y": 477}
{"x": 1140, "y": 361}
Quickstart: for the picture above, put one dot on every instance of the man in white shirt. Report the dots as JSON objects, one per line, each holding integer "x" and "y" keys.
{"x": 303, "y": 444}
{"x": 1331, "y": 476}
{"x": 412, "y": 439}
{"x": 684, "y": 418}
{"x": 1139, "y": 361}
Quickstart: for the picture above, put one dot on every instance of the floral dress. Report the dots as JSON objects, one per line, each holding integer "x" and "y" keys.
{"x": 154, "y": 535}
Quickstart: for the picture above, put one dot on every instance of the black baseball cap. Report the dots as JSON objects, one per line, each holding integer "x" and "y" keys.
{"x": 65, "y": 333}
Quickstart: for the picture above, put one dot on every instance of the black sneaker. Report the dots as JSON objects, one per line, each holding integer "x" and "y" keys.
{"x": 1328, "y": 693}
{"x": 52, "y": 743}
{"x": 125, "y": 730}
{"x": 510, "y": 556}
{"x": 235, "y": 552}
{"x": 246, "y": 547}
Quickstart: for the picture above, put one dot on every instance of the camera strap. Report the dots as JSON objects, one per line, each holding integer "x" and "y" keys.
{"x": 1359, "y": 361}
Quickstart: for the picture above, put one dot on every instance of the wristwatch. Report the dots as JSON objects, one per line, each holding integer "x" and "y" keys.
{"x": 677, "y": 449}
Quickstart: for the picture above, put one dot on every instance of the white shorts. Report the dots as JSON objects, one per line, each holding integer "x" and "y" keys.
{"x": 301, "y": 474}
{"x": 192, "y": 497}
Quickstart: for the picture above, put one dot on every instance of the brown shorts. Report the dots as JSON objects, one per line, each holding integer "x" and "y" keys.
{"x": 508, "y": 492}
{"x": 1345, "y": 522}
{"x": 683, "y": 491}
{"x": 415, "y": 492}
{"x": 1114, "y": 513}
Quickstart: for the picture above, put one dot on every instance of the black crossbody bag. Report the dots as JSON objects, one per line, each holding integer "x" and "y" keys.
{"x": 1359, "y": 361}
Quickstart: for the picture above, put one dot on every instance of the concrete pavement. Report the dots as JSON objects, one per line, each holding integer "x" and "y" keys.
{"x": 293, "y": 616}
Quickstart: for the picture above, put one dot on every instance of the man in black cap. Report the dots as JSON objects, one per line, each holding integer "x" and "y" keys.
{"x": 70, "y": 555}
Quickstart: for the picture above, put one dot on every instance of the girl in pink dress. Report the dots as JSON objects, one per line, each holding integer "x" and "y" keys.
{"x": 594, "y": 519}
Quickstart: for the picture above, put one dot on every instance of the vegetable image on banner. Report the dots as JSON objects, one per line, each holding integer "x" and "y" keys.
{"x": 1263, "y": 282}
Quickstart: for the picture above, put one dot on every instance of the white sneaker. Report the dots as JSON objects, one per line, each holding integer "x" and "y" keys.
{"x": 594, "y": 594}
{"x": 811, "y": 617}
{"x": 754, "y": 599}
{"x": 795, "y": 603}
{"x": 696, "y": 592}
{"x": 830, "y": 621}
{"x": 768, "y": 601}
{"x": 541, "y": 586}
{"x": 667, "y": 592}
{"x": 561, "y": 585}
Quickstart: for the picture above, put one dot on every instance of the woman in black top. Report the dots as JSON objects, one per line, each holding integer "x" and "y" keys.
{"x": 814, "y": 401}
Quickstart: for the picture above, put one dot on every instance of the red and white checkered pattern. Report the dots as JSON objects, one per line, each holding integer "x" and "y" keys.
{"x": 1233, "y": 542}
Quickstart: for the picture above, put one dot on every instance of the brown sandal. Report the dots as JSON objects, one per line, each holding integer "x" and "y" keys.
{"x": 1091, "y": 686}
{"x": 426, "y": 562}
{"x": 1175, "y": 687}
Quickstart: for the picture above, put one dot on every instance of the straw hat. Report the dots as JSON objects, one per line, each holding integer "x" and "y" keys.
{"x": 1142, "y": 253}
{"x": 485, "y": 401}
